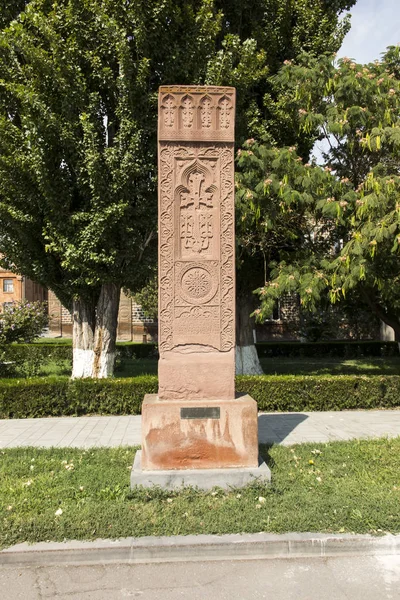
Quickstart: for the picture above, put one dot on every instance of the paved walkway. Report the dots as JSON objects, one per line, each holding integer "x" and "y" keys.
{"x": 281, "y": 428}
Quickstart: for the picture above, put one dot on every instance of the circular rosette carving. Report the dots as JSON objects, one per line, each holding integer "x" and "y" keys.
{"x": 198, "y": 285}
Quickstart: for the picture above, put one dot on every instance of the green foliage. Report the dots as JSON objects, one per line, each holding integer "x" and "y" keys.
{"x": 258, "y": 36}
{"x": 9, "y": 10}
{"x": 341, "y": 221}
{"x": 78, "y": 111}
{"x": 22, "y": 322}
{"x": 129, "y": 351}
{"x": 57, "y": 396}
{"x": 147, "y": 297}
{"x": 31, "y": 360}
{"x": 54, "y": 396}
{"x": 344, "y": 392}
{"x": 62, "y": 351}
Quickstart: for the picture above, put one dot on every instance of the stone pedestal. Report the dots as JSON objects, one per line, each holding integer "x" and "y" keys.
{"x": 204, "y": 434}
{"x": 196, "y": 422}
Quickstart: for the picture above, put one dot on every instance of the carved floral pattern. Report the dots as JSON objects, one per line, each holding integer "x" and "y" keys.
{"x": 196, "y": 283}
{"x": 166, "y": 245}
{"x": 227, "y": 250}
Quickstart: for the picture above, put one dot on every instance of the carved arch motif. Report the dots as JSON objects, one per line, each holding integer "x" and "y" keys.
{"x": 206, "y": 108}
{"x": 225, "y": 109}
{"x": 187, "y": 110}
{"x": 168, "y": 107}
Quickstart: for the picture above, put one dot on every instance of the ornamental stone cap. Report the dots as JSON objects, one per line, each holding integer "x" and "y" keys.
{"x": 196, "y": 113}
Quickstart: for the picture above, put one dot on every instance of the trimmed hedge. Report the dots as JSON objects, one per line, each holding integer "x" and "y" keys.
{"x": 295, "y": 393}
{"x": 58, "y": 396}
{"x": 54, "y": 351}
{"x": 343, "y": 349}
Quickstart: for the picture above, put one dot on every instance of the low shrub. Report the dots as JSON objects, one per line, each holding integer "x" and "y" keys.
{"x": 57, "y": 396}
{"x": 54, "y": 351}
{"x": 295, "y": 393}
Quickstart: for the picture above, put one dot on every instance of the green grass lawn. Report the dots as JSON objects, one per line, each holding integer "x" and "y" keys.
{"x": 326, "y": 366}
{"x": 292, "y": 366}
{"x": 389, "y": 365}
{"x": 62, "y": 494}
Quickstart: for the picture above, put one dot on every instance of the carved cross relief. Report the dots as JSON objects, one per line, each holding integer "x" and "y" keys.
{"x": 196, "y": 222}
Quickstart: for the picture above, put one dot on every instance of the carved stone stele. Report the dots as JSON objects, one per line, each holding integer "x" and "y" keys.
{"x": 197, "y": 291}
{"x": 196, "y": 242}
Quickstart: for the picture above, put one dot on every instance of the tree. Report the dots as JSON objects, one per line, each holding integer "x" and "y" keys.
{"x": 9, "y": 10}
{"x": 78, "y": 148}
{"x": 276, "y": 33}
{"x": 348, "y": 239}
{"x": 77, "y": 131}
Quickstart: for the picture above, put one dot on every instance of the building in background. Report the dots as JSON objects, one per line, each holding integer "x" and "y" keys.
{"x": 15, "y": 288}
{"x": 133, "y": 325}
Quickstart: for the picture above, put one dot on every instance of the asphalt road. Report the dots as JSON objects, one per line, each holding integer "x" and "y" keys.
{"x": 349, "y": 578}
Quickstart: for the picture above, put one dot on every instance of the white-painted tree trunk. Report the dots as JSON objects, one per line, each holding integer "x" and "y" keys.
{"x": 247, "y": 361}
{"x": 83, "y": 314}
{"x": 82, "y": 363}
{"x": 106, "y": 331}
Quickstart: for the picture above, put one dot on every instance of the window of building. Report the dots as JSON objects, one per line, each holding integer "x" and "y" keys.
{"x": 8, "y": 304}
{"x": 276, "y": 313}
{"x": 8, "y": 286}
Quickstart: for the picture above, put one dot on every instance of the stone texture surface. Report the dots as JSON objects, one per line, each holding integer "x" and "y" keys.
{"x": 196, "y": 242}
{"x": 204, "y": 479}
{"x": 196, "y": 296}
{"x": 172, "y": 442}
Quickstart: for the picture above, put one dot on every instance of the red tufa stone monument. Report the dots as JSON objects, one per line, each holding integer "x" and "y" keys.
{"x": 195, "y": 421}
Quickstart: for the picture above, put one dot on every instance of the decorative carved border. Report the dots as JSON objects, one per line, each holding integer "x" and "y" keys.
{"x": 166, "y": 246}
{"x": 167, "y": 153}
{"x": 227, "y": 249}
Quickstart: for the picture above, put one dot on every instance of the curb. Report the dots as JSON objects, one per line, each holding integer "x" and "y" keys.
{"x": 200, "y": 547}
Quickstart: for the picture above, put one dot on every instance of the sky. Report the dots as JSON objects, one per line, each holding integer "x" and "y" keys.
{"x": 375, "y": 25}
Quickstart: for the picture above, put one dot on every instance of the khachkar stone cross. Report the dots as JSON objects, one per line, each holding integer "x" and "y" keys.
{"x": 195, "y": 421}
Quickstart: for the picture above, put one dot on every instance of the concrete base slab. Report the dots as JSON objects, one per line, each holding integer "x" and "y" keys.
{"x": 205, "y": 479}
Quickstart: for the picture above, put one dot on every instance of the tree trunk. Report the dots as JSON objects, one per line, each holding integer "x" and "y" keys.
{"x": 83, "y": 314}
{"x": 387, "y": 316}
{"x": 247, "y": 361}
{"x": 106, "y": 331}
